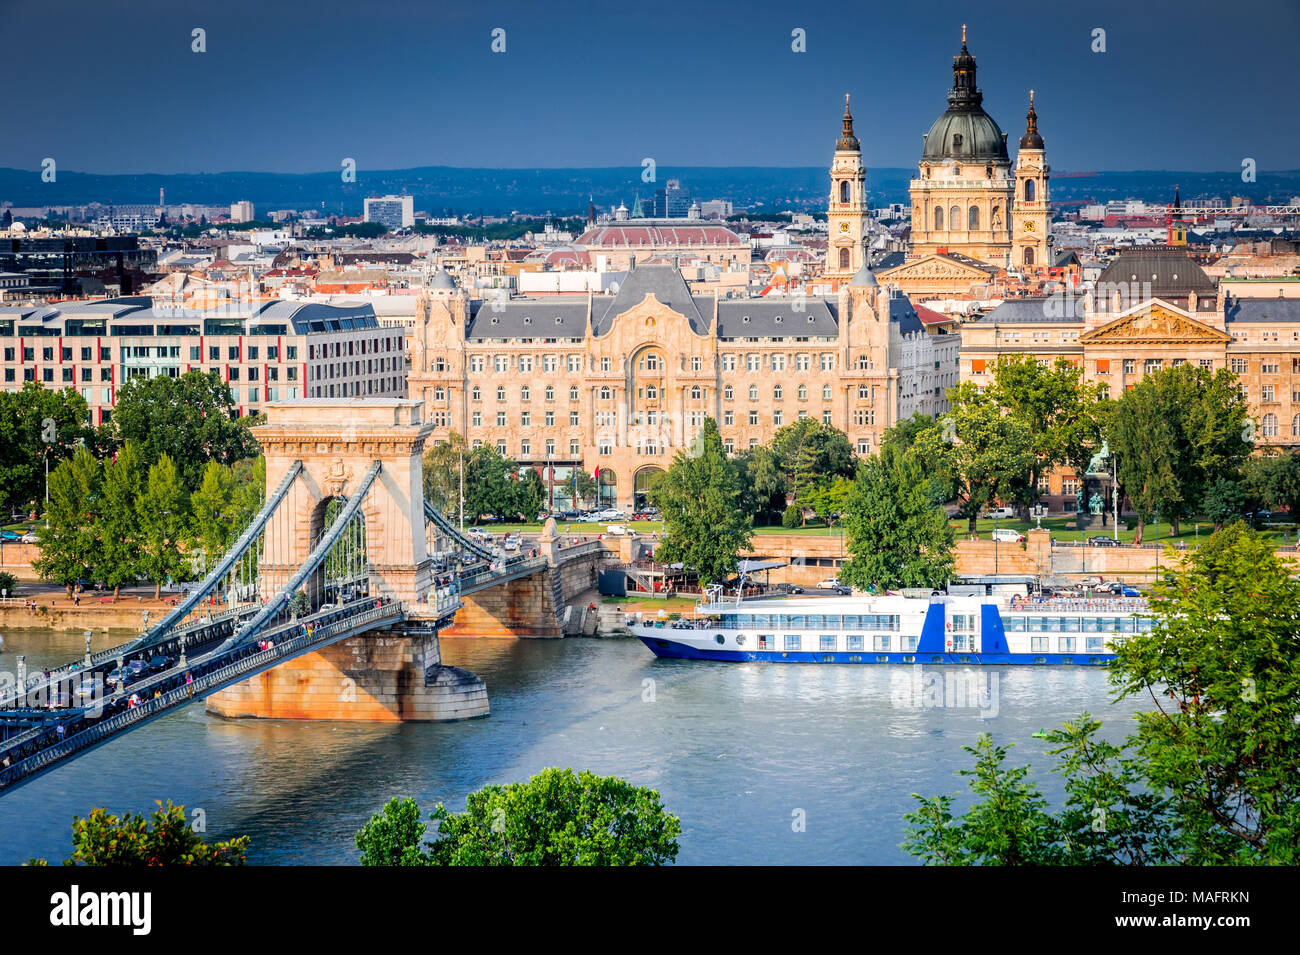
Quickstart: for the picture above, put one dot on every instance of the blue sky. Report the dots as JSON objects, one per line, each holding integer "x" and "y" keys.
{"x": 113, "y": 87}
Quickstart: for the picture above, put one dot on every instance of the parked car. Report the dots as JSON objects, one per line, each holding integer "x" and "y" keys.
{"x": 1102, "y": 541}
{"x": 1129, "y": 591}
{"x": 611, "y": 514}
{"x": 1000, "y": 514}
{"x": 29, "y": 538}
{"x": 10, "y": 536}
{"x": 158, "y": 663}
{"x": 830, "y": 583}
{"x": 843, "y": 590}
{"x": 787, "y": 588}
{"x": 1009, "y": 535}
{"x": 619, "y": 529}
{"x": 511, "y": 543}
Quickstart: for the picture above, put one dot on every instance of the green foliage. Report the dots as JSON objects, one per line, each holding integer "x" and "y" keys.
{"x": 187, "y": 418}
{"x": 896, "y": 535}
{"x": 22, "y": 452}
{"x": 120, "y": 534}
{"x": 213, "y": 508}
{"x": 392, "y": 836}
{"x": 1061, "y": 411}
{"x": 1222, "y": 501}
{"x": 1272, "y": 480}
{"x": 69, "y": 543}
{"x": 247, "y": 493}
{"x": 981, "y": 453}
{"x": 1177, "y": 431}
{"x": 810, "y": 453}
{"x": 8, "y": 582}
{"x": 556, "y": 818}
{"x": 165, "y": 838}
{"x": 493, "y": 485}
{"x": 792, "y": 517}
{"x": 697, "y": 495}
{"x": 163, "y": 514}
{"x": 442, "y": 464}
{"x": 1210, "y": 776}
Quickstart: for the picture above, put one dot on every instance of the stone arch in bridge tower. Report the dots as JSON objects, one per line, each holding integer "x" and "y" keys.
{"x": 337, "y": 440}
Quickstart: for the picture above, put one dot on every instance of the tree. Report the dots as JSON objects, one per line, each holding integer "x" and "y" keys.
{"x": 1223, "y": 500}
{"x": 165, "y": 838}
{"x": 1210, "y": 775}
{"x": 247, "y": 494}
{"x": 989, "y": 454}
{"x": 188, "y": 418}
{"x": 1176, "y": 432}
{"x": 22, "y": 448}
{"x": 213, "y": 508}
{"x": 809, "y": 453}
{"x": 68, "y": 542}
{"x": 392, "y": 836}
{"x": 764, "y": 483}
{"x": 556, "y": 818}
{"x": 896, "y": 535}
{"x": 163, "y": 520}
{"x": 697, "y": 496}
{"x": 120, "y": 532}
{"x": 1272, "y": 480}
{"x": 442, "y": 468}
{"x": 530, "y": 494}
{"x": 489, "y": 484}
{"x": 1060, "y": 411}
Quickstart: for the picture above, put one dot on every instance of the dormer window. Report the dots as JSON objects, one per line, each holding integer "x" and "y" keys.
{"x": 745, "y": 320}
{"x": 559, "y": 320}
{"x": 528, "y": 320}
{"x": 778, "y": 319}
{"x": 956, "y": 140}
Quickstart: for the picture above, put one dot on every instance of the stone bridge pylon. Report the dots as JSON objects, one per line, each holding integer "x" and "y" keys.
{"x": 337, "y": 440}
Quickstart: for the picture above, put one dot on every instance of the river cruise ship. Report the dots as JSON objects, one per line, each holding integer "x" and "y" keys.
{"x": 939, "y": 629}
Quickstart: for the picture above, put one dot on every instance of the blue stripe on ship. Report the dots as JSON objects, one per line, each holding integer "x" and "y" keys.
{"x": 671, "y": 649}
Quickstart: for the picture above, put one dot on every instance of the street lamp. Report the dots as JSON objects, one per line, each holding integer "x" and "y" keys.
{"x": 87, "y": 634}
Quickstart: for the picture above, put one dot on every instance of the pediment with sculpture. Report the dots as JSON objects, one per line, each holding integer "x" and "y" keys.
{"x": 1155, "y": 322}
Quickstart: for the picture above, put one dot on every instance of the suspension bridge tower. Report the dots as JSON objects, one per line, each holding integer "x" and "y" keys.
{"x": 347, "y": 447}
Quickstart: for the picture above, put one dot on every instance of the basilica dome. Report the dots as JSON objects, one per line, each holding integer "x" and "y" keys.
{"x": 965, "y": 132}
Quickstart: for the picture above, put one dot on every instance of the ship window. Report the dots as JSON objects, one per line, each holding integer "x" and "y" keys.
{"x": 880, "y": 641}
{"x": 1013, "y": 624}
{"x": 827, "y": 641}
{"x": 767, "y": 641}
{"x": 1038, "y": 644}
{"x": 792, "y": 641}
{"x": 909, "y": 659}
{"x": 1067, "y": 659}
{"x": 1096, "y": 644}
{"x": 720, "y": 639}
{"x": 909, "y": 643}
{"x": 740, "y": 639}
{"x": 855, "y": 641}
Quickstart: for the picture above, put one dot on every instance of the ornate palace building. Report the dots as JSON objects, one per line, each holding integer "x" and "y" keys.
{"x": 617, "y": 384}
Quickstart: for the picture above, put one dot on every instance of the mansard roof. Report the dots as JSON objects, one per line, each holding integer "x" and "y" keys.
{"x": 774, "y": 317}
{"x": 668, "y": 287}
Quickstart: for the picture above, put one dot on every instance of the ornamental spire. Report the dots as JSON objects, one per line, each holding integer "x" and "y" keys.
{"x": 847, "y": 140}
{"x": 1031, "y": 139}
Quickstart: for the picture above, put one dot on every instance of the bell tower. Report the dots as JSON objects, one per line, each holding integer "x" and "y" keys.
{"x": 1031, "y": 214}
{"x": 846, "y": 215}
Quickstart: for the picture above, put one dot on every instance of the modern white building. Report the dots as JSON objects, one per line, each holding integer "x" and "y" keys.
{"x": 393, "y": 212}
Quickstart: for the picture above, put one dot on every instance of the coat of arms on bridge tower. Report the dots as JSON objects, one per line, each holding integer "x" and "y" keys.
{"x": 337, "y": 477}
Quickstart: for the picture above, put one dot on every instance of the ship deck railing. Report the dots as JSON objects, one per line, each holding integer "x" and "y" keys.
{"x": 1078, "y": 604}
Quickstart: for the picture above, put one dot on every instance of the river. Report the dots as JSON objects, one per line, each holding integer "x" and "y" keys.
{"x": 763, "y": 763}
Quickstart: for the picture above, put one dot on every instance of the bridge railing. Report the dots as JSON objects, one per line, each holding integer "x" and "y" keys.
{"x": 244, "y": 664}
{"x": 38, "y": 682}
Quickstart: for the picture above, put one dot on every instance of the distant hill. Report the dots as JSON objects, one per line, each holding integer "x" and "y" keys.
{"x": 445, "y": 190}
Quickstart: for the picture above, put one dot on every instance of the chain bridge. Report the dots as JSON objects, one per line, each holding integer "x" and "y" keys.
{"x": 327, "y": 606}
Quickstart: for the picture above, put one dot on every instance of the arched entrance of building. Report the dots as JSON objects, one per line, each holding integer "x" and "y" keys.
{"x": 641, "y": 486}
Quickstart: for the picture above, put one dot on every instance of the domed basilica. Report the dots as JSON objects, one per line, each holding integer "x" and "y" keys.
{"x": 969, "y": 200}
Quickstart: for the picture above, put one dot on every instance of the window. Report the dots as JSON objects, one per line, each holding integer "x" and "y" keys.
{"x": 778, "y": 363}
{"x": 573, "y": 362}
{"x": 802, "y": 362}
{"x": 1029, "y": 190}
{"x": 574, "y": 449}
{"x": 526, "y": 363}
{"x": 864, "y": 446}
{"x": 728, "y": 393}
{"x": 697, "y": 363}
{"x": 549, "y": 393}
{"x": 476, "y": 393}
{"x": 526, "y": 419}
{"x": 550, "y": 419}
{"x": 777, "y": 393}
{"x": 792, "y": 641}
{"x": 826, "y": 642}
{"x": 476, "y": 419}
{"x": 501, "y": 419}
{"x": 1103, "y": 366}
{"x": 1268, "y": 393}
{"x": 753, "y": 416}
{"x": 525, "y": 393}
{"x": 973, "y": 218}
{"x": 573, "y": 393}
{"x": 550, "y": 362}
{"x": 729, "y": 418}
{"x": 778, "y": 418}
{"x": 501, "y": 392}
{"x": 476, "y": 363}
{"x": 753, "y": 392}
{"x": 1130, "y": 366}
{"x": 1269, "y": 426}
{"x": 1237, "y": 365}
{"x": 753, "y": 362}
{"x": 728, "y": 362}
{"x": 938, "y": 217}
{"x": 573, "y": 419}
